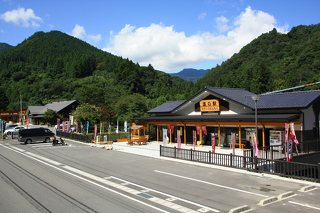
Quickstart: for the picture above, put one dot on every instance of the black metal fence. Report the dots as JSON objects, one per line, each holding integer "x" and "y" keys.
{"x": 90, "y": 137}
{"x": 74, "y": 136}
{"x": 279, "y": 167}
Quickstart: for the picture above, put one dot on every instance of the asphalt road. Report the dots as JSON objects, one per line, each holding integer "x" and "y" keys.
{"x": 80, "y": 178}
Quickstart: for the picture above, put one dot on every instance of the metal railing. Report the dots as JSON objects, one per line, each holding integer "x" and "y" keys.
{"x": 279, "y": 167}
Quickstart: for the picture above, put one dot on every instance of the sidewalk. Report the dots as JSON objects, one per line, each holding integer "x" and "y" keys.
{"x": 152, "y": 149}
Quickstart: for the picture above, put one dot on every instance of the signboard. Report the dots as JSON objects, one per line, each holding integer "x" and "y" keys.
{"x": 209, "y": 105}
{"x": 275, "y": 138}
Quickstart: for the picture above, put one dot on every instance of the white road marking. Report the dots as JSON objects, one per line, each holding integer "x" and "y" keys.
{"x": 209, "y": 183}
{"x": 41, "y": 145}
{"x": 119, "y": 186}
{"x": 76, "y": 172}
{"x": 168, "y": 195}
{"x": 84, "y": 179}
{"x": 16, "y": 148}
{"x": 304, "y": 205}
{"x": 44, "y": 159}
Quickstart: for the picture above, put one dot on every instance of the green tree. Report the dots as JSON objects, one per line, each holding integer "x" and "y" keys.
{"x": 87, "y": 112}
{"x": 50, "y": 117}
{"x": 130, "y": 107}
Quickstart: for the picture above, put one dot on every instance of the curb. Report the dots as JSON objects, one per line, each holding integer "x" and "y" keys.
{"x": 307, "y": 188}
{"x": 244, "y": 208}
{"x": 267, "y": 201}
{"x": 286, "y": 195}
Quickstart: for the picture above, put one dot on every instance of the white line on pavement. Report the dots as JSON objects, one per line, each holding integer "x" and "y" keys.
{"x": 84, "y": 179}
{"x": 145, "y": 189}
{"x": 44, "y": 159}
{"x": 209, "y": 183}
{"x": 304, "y": 205}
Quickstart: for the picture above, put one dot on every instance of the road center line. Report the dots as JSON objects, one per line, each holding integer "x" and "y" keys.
{"x": 209, "y": 183}
{"x": 304, "y": 205}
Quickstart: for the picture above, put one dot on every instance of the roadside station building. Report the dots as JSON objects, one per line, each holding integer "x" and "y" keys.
{"x": 223, "y": 111}
{"x": 35, "y": 114}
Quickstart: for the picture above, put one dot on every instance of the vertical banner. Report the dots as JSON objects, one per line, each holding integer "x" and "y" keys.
{"x": 194, "y": 139}
{"x": 198, "y": 130}
{"x": 164, "y": 136}
{"x": 64, "y": 126}
{"x": 27, "y": 123}
{"x": 204, "y": 130}
{"x": 213, "y": 142}
{"x": 77, "y": 126}
{"x": 233, "y": 141}
{"x": 255, "y": 145}
{"x": 88, "y": 127}
{"x": 58, "y": 124}
{"x": 125, "y": 126}
{"x": 286, "y": 137}
{"x": 68, "y": 126}
{"x": 95, "y": 131}
{"x": 178, "y": 139}
{"x": 117, "y": 129}
{"x": 100, "y": 128}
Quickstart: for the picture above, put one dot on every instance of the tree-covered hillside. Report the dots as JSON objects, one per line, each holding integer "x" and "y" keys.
{"x": 4, "y": 46}
{"x": 55, "y": 66}
{"x": 272, "y": 61}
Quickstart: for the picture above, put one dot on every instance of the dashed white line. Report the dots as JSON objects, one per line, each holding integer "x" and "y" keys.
{"x": 209, "y": 183}
{"x": 304, "y": 205}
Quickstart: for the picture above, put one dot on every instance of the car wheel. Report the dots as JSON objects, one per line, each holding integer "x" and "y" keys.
{"x": 28, "y": 141}
{"x": 47, "y": 140}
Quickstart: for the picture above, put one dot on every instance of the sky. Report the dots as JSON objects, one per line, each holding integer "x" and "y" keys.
{"x": 168, "y": 34}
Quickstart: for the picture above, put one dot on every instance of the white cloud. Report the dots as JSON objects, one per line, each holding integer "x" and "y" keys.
{"x": 79, "y": 32}
{"x": 202, "y": 16}
{"x": 169, "y": 50}
{"x": 22, "y": 16}
{"x": 222, "y": 24}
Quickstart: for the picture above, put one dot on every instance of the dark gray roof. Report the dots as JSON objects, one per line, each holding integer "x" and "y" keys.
{"x": 166, "y": 107}
{"x": 300, "y": 99}
{"x": 35, "y": 110}
{"x": 240, "y": 96}
{"x": 56, "y": 106}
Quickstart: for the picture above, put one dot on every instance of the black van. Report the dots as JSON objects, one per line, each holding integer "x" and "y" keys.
{"x": 35, "y": 135}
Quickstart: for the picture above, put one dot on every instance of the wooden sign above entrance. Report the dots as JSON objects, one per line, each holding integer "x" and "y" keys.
{"x": 209, "y": 105}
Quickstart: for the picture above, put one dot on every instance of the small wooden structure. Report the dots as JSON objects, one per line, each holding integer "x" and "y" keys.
{"x": 138, "y": 135}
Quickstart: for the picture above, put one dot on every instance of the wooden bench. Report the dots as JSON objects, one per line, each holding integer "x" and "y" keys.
{"x": 138, "y": 140}
{"x": 237, "y": 145}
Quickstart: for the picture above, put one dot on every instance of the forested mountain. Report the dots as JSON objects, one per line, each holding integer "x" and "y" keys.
{"x": 55, "y": 66}
{"x": 272, "y": 61}
{"x": 4, "y": 46}
{"x": 190, "y": 74}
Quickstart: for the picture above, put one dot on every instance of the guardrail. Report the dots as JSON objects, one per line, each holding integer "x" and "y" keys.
{"x": 279, "y": 167}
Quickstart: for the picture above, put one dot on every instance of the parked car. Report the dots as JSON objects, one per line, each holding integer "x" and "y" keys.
{"x": 13, "y": 130}
{"x": 9, "y": 126}
{"x": 35, "y": 135}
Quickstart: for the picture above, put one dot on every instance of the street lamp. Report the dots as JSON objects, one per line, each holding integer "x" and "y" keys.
{"x": 256, "y": 98}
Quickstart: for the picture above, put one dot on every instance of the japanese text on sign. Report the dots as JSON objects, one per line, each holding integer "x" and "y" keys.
{"x": 209, "y": 105}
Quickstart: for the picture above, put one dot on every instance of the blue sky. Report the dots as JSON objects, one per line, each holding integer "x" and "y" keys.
{"x": 168, "y": 34}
